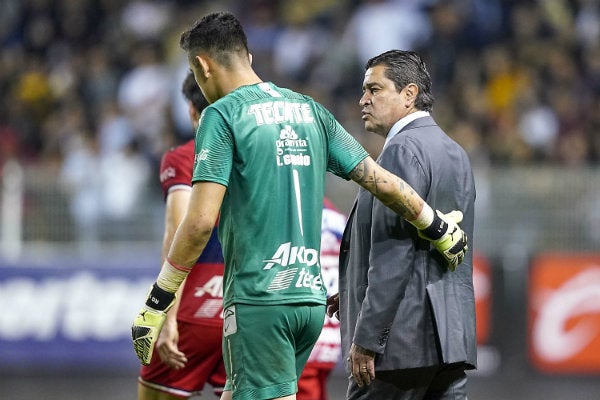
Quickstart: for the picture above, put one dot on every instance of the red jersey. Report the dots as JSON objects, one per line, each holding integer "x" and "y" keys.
{"x": 202, "y": 296}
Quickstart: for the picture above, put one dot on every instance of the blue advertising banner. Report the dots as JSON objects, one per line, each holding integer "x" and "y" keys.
{"x": 76, "y": 317}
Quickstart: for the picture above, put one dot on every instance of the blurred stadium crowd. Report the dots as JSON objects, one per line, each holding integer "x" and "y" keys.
{"x": 89, "y": 87}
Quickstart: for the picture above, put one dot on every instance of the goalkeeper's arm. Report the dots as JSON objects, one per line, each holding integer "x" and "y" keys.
{"x": 149, "y": 321}
{"x": 190, "y": 239}
{"x": 441, "y": 229}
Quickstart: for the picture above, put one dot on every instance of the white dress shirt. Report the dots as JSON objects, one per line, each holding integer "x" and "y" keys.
{"x": 397, "y": 127}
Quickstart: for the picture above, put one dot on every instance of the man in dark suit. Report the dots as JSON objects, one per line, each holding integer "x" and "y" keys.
{"x": 407, "y": 321}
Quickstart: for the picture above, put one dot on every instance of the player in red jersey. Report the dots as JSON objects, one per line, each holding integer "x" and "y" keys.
{"x": 188, "y": 351}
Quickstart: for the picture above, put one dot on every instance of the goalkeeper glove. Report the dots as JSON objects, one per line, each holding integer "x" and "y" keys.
{"x": 149, "y": 321}
{"x": 447, "y": 237}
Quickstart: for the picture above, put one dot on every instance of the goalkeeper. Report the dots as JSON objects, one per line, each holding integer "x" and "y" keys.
{"x": 262, "y": 153}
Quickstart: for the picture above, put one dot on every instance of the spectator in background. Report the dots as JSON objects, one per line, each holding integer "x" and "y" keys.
{"x": 538, "y": 126}
{"x": 79, "y": 177}
{"x": 395, "y": 24}
{"x": 115, "y": 131}
{"x": 448, "y": 20}
{"x": 263, "y": 28}
{"x": 99, "y": 82}
{"x": 124, "y": 174}
{"x": 143, "y": 95}
{"x": 300, "y": 43}
{"x": 146, "y": 20}
{"x": 587, "y": 23}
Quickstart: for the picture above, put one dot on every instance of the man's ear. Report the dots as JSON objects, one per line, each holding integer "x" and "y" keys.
{"x": 412, "y": 90}
{"x": 204, "y": 65}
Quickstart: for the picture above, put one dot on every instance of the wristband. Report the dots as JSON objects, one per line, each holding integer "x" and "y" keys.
{"x": 425, "y": 218}
{"x": 437, "y": 228}
{"x": 159, "y": 299}
{"x": 171, "y": 275}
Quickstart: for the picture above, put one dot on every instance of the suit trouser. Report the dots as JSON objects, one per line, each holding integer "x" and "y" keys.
{"x": 443, "y": 382}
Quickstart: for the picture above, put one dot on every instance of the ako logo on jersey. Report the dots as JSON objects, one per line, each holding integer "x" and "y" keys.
{"x": 564, "y": 313}
{"x": 288, "y": 255}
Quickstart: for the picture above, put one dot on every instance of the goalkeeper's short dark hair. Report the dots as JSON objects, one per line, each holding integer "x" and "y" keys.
{"x": 191, "y": 91}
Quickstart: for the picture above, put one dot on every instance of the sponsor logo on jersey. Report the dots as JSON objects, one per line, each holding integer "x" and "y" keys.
{"x": 201, "y": 156}
{"x": 287, "y": 254}
{"x": 281, "y": 112}
{"x": 300, "y": 276}
{"x": 291, "y": 150}
{"x": 213, "y": 288}
{"x": 167, "y": 173}
{"x": 211, "y": 308}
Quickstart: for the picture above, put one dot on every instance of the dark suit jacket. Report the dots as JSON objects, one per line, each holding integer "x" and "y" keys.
{"x": 397, "y": 297}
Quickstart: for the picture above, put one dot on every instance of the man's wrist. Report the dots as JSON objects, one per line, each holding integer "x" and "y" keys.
{"x": 363, "y": 350}
{"x": 425, "y": 218}
{"x": 171, "y": 276}
{"x": 436, "y": 229}
{"x": 159, "y": 299}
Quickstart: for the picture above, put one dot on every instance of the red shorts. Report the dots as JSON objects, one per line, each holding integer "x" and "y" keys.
{"x": 202, "y": 347}
{"x": 312, "y": 384}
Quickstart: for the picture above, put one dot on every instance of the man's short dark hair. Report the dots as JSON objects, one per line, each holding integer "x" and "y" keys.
{"x": 220, "y": 35}
{"x": 404, "y": 67}
{"x": 191, "y": 91}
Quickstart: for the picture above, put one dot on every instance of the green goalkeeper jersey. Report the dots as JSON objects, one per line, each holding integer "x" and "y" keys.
{"x": 271, "y": 147}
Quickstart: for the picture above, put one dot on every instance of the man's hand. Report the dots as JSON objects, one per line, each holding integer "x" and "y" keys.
{"x": 149, "y": 321}
{"x": 166, "y": 345}
{"x": 333, "y": 306}
{"x": 361, "y": 363}
{"x": 452, "y": 243}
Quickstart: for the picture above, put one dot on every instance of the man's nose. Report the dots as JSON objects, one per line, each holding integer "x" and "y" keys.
{"x": 364, "y": 100}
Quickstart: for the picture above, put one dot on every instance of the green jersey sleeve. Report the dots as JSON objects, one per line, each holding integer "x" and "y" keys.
{"x": 213, "y": 158}
{"x": 344, "y": 151}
